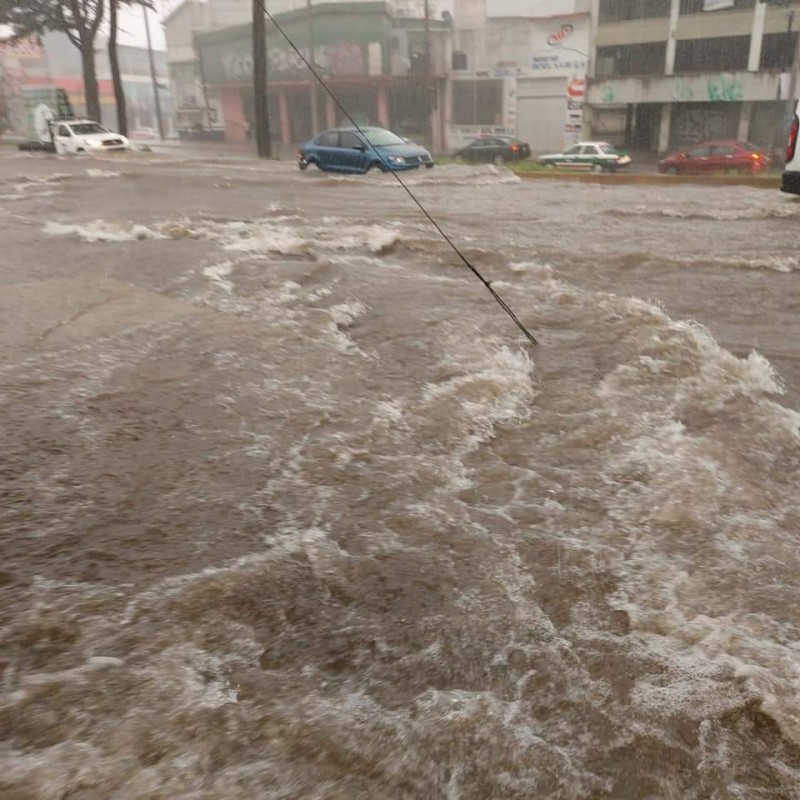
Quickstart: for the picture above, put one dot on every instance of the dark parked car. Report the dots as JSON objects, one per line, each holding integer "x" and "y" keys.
{"x": 358, "y": 151}
{"x": 494, "y": 149}
{"x": 720, "y": 156}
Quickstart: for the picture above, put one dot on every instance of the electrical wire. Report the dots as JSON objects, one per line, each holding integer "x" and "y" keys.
{"x": 502, "y": 303}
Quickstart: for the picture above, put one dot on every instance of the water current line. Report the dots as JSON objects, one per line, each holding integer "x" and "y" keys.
{"x": 422, "y": 208}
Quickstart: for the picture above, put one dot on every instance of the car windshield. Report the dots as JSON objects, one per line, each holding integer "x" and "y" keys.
{"x": 607, "y": 149}
{"x": 381, "y": 138}
{"x": 85, "y": 128}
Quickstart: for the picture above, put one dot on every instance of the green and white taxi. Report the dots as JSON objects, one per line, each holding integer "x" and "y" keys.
{"x": 588, "y": 156}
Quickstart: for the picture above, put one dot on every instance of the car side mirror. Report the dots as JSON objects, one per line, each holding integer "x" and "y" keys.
{"x": 360, "y": 147}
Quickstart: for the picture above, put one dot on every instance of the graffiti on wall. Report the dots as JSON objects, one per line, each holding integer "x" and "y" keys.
{"x": 726, "y": 88}
{"x": 701, "y": 123}
{"x": 346, "y": 58}
{"x": 682, "y": 92}
{"x": 609, "y": 93}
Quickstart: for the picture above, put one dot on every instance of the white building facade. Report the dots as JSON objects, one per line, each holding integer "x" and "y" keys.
{"x": 519, "y": 68}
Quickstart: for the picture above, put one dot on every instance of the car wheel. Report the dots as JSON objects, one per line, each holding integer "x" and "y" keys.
{"x": 499, "y": 159}
{"x": 303, "y": 164}
{"x": 597, "y": 168}
{"x": 672, "y": 170}
{"x": 549, "y": 165}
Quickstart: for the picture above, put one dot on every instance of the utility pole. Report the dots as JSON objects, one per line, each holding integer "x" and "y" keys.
{"x": 313, "y": 85}
{"x": 428, "y": 93}
{"x": 153, "y": 75}
{"x": 263, "y": 144}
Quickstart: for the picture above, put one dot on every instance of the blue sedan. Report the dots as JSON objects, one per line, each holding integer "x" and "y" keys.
{"x": 358, "y": 151}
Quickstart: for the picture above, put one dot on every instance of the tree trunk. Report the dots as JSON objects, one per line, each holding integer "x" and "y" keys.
{"x": 91, "y": 88}
{"x": 116, "y": 78}
{"x": 263, "y": 144}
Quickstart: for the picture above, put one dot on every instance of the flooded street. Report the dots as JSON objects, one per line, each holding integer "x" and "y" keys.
{"x": 291, "y": 510}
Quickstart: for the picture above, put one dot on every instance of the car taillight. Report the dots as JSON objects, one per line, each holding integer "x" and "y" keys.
{"x": 515, "y": 148}
{"x": 756, "y": 156}
{"x": 790, "y": 148}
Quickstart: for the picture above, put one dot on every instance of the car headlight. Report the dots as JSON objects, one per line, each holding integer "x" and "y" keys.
{"x": 397, "y": 159}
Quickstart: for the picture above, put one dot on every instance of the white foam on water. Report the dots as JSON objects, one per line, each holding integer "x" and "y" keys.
{"x": 344, "y": 314}
{"x": 463, "y": 175}
{"x": 305, "y": 540}
{"x": 264, "y": 237}
{"x": 493, "y": 386}
{"x": 377, "y": 239}
{"x": 102, "y": 231}
{"x": 389, "y": 411}
{"x": 776, "y": 263}
{"x": 102, "y": 173}
{"x": 280, "y": 234}
{"x": 218, "y": 274}
{"x": 533, "y": 268}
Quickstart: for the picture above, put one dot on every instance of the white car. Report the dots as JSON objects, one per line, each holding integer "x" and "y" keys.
{"x": 584, "y": 156}
{"x": 86, "y": 136}
{"x": 790, "y": 180}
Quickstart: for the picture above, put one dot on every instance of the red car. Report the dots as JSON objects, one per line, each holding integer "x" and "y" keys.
{"x": 723, "y": 156}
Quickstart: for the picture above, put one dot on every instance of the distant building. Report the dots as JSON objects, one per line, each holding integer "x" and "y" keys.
{"x": 29, "y": 67}
{"x": 198, "y": 107}
{"x": 519, "y": 67}
{"x": 669, "y": 73}
{"x": 372, "y": 55}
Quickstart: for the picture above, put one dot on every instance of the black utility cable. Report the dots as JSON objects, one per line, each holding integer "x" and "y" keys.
{"x": 422, "y": 208}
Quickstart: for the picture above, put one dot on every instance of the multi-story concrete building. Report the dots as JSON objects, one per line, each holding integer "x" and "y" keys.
{"x": 668, "y": 73}
{"x": 519, "y": 67}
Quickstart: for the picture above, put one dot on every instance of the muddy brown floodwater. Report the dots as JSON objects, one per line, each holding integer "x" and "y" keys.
{"x": 289, "y": 510}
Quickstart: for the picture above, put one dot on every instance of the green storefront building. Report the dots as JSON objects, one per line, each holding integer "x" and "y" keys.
{"x": 373, "y": 62}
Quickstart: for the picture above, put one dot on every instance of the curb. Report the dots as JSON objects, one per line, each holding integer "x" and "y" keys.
{"x": 643, "y": 179}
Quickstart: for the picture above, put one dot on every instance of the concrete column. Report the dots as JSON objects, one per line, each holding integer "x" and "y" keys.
{"x": 744, "y": 121}
{"x": 757, "y": 37}
{"x": 233, "y": 114}
{"x": 330, "y": 112}
{"x": 674, "y": 13}
{"x": 383, "y": 105}
{"x": 594, "y": 21}
{"x": 283, "y": 113}
{"x": 663, "y": 130}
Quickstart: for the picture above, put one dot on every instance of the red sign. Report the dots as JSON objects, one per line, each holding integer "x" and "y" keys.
{"x": 576, "y": 88}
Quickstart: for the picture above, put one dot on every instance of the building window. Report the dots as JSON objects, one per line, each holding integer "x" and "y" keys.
{"x": 777, "y": 50}
{"x": 459, "y": 60}
{"x": 712, "y": 55}
{"x": 698, "y": 6}
{"x": 477, "y": 102}
{"x": 631, "y": 59}
{"x": 619, "y": 10}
